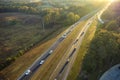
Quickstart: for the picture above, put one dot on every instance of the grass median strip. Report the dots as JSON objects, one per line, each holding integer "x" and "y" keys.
{"x": 46, "y": 69}
{"x": 85, "y": 44}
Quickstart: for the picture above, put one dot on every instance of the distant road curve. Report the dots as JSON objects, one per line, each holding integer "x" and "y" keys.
{"x": 101, "y": 12}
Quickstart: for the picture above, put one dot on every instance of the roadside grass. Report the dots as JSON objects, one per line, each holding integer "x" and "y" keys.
{"x": 18, "y": 39}
{"x": 74, "y": 73}
{"x": 13, "y": 71}
{"x": 19, "y": 33}
{"x": 48, "y": 67}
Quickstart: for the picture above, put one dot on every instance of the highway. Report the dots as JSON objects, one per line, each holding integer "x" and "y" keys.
{"x": 64, "y": 66}
{"x": 40, "y": 61}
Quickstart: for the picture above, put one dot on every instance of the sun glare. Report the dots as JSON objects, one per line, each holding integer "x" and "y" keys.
{"x": 111, "y": 0}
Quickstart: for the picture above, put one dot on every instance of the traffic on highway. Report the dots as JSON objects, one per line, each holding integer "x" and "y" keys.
{"x": 73, "y": 51}
{"x": 41, "y": 60}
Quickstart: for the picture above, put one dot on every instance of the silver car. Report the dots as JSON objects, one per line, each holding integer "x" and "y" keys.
{"x": 50, "y": 51}
{"x": 42, "y": 61}
{"x": 64, "y": 36}
{"x": 27, "y": 72}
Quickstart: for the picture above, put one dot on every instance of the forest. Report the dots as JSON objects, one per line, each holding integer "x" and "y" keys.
{"x": 104, "y": 50}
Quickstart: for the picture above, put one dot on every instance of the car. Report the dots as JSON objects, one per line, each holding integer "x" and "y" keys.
{"x": 42, "y": 61}
{"x": 68, "y": 60}
{"x": 64, "y": 36}
{"x": 50, "y": 51}
{"x": 76, "y": 41}
{"x": 27, "y": 72}
{"x": 82, "y": 33}
{"x": 88, "y": 23}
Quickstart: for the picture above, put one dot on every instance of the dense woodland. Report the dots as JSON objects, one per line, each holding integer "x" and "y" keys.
{"x": 51, "y": 13}
{"x": 104, "y": 50}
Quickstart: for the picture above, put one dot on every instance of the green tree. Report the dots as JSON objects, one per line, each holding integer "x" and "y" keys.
{"x": 77, "y": 17}
{"x": 71, "y": 17}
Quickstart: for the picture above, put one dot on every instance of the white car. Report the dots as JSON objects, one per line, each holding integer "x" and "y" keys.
{"x": 50, "y": 51}
{"x": 27, "y": 72}
{"x": 42, "y": 61}
{"x": 68, "y": 60}
{"x": 64, "y": 36}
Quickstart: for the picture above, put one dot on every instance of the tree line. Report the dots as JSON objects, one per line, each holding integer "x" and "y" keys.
{"x": 104, "y": 50}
